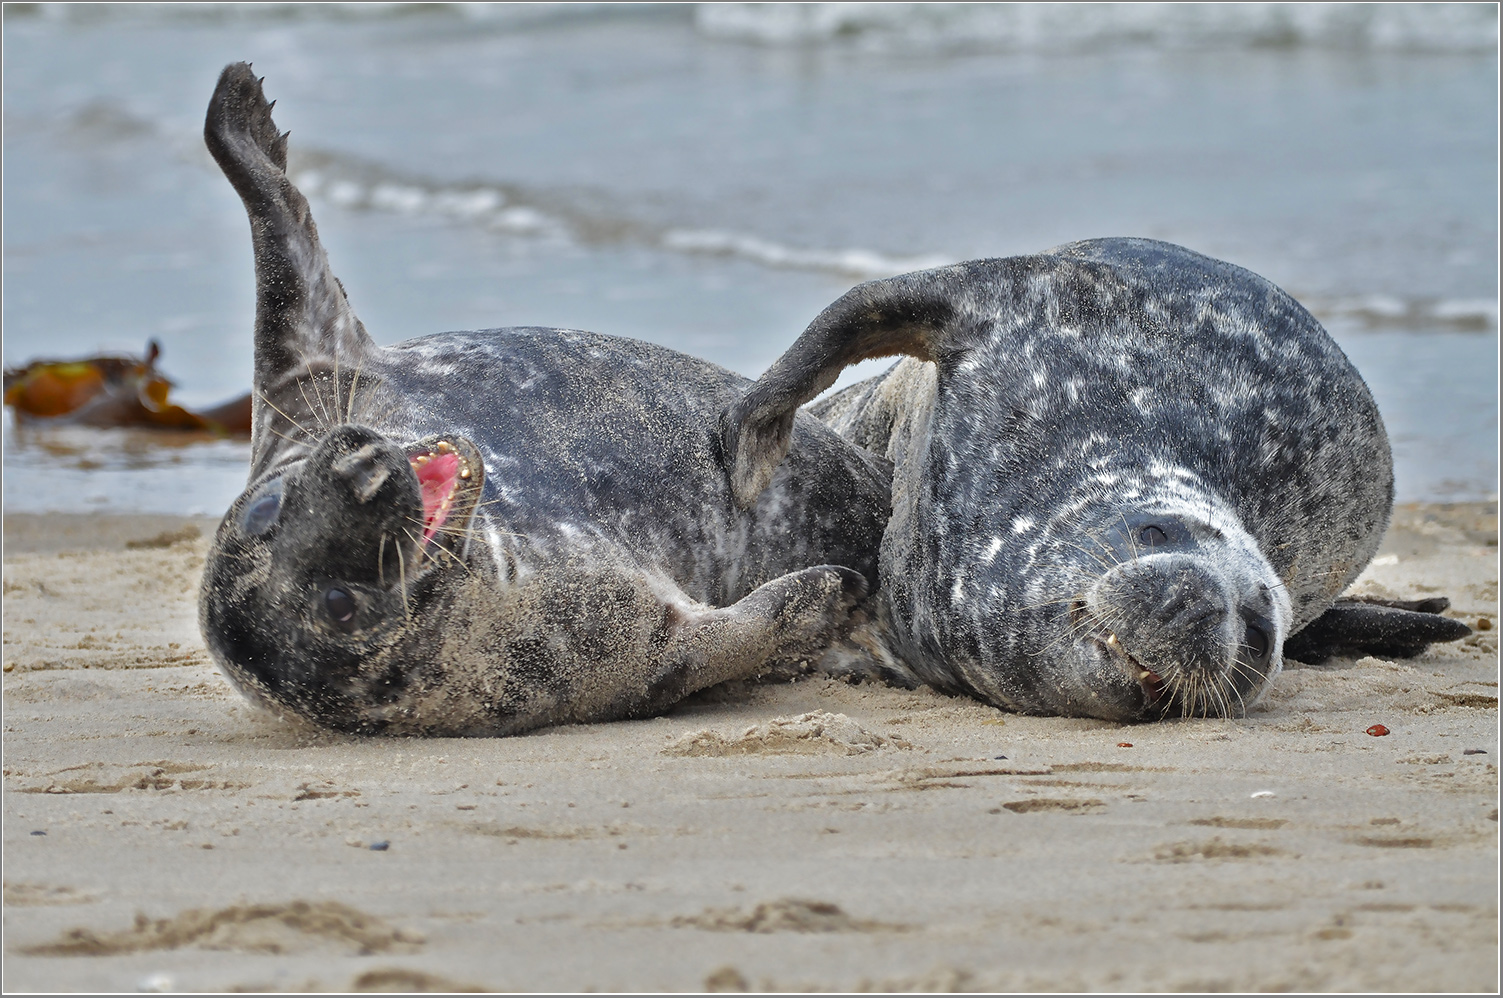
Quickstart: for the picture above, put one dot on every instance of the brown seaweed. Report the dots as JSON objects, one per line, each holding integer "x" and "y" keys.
{"x": 113, "y": 391}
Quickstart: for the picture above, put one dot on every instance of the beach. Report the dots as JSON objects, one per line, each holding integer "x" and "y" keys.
{"x": 161, "y": 833}
{"x": 709, "y": 178}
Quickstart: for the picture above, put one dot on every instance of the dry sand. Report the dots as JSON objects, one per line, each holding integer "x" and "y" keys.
{"x": 159, "y": 832}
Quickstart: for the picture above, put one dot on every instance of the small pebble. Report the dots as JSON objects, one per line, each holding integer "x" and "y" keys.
{"x": 1264, "y": 793}
{"x": 1483, "y": 624}
{"x": 39, "y": 832}
{"x": 1377, "y": 730}
{"x": 999, "y": 757}
{"x": 1469, "y": 751}
{"x": 1124, "y": 744}
{"x": 381, "y": 846}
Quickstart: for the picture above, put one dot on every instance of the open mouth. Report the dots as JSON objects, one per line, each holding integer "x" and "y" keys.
{"x": 1151, "y": 682}
{"x": 1154, "y": 690}
{"x": 442, "y": 473}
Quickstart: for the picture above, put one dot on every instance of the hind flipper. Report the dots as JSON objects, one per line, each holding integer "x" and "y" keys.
{"x": 909, "y": 315}
{"x": 304, "y": 322}
{"x": 1384, "y": 628}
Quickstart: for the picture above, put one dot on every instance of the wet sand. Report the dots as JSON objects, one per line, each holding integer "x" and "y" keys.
{"x": 160, "y": 832}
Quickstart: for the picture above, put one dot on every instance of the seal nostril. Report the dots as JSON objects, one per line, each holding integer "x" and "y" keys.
{"x": 341, "y": 607}
{"x": 1257, "y": 642}
{"x": 1152, "y": 536}
{"x": 364, "y": 471}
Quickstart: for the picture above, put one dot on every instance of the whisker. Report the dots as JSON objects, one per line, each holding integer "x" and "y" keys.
{"x": 349, "y": 415}
{"x": 289, "y": 419}
{"x": 317, "y": 393}
{"x": 290, "y": 440}
{"x": 458, "y": 560}
{"x": 402, "y": 576}
{"x": 309, "y": 405}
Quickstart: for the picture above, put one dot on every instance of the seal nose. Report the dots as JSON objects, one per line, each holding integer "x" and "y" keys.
{"x": 353, "y": 496}
{"x": 363, "y": 470}
{"x": 1170, "y": 614}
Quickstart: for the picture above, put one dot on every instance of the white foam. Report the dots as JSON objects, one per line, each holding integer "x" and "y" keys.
{"x": 522, "y": 219}
{"x": 345, "y": 193}
{"x": 468, "y": 203}
{"x": 395, "y": 197}
{"x": 1383, "y": 310}
{"x": 1045, "y": 27}
{"x": 856, "y": 262}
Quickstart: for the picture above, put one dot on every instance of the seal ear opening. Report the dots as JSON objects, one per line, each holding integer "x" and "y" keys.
{"x": 911, "y": 315}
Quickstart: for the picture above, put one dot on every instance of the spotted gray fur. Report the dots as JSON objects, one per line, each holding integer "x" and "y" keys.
{"x": 595, "y": 564}
{"x": 1124, "y": 472}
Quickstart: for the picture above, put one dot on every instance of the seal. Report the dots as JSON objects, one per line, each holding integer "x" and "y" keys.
{"x": 1124, "y": 474}
{"x": 478, "y": 533}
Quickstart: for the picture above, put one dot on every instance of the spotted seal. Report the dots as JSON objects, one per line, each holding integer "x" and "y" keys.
{"x": 1124, "y": 474}
{"x": 477, "y": 533}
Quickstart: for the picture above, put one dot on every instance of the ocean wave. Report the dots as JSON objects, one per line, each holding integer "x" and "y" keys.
{"x": 502, "y": 15}
{"x": 1047, "y": 27}
{"x": 854, "y": 262}
{"x": 1391, "y": 312}
{"x": 357, "y": 185}
{"x": 921, "y": 27}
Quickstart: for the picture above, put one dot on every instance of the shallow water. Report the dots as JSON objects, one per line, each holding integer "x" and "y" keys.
{"x": 711, "y": 181}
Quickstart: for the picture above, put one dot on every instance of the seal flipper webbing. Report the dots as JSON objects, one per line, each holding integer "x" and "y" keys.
{"x": 303, "y": 317}
{"x": 1384, "y": 628}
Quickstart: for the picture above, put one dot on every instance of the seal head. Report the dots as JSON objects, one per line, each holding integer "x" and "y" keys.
{"x": 336, "y": 555}
{"x": 1189, "y": 614}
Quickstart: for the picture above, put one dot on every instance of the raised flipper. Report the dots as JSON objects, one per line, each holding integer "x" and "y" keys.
{"x": 1384, "y": 628}
{"x": 304, "y": 323}
{"x": 911, "y": 314}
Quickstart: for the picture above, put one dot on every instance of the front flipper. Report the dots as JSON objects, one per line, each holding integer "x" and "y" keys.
{"x": 1384, "y": 628}
{"x": 795, "y": 617}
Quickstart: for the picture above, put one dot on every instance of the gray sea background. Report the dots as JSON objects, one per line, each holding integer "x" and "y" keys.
{"x": 709, "y": 177}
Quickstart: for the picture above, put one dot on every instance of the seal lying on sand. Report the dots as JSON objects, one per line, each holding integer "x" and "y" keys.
{"x": 1128, "y": 474}
{"x": 483, "y": 532}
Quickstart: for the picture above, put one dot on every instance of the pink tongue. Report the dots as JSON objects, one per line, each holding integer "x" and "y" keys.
{"x": 437, "y": 477}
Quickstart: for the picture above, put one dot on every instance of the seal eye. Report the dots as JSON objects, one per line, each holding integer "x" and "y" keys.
{"x": 262, "y": 512}
{"x": 1153, "y": 536}
{"x": 1257, "y": 642}
{"x": 341, "y": 607}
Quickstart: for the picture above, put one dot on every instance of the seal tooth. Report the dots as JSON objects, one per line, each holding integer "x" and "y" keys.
{"x": 444, "y": 447}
